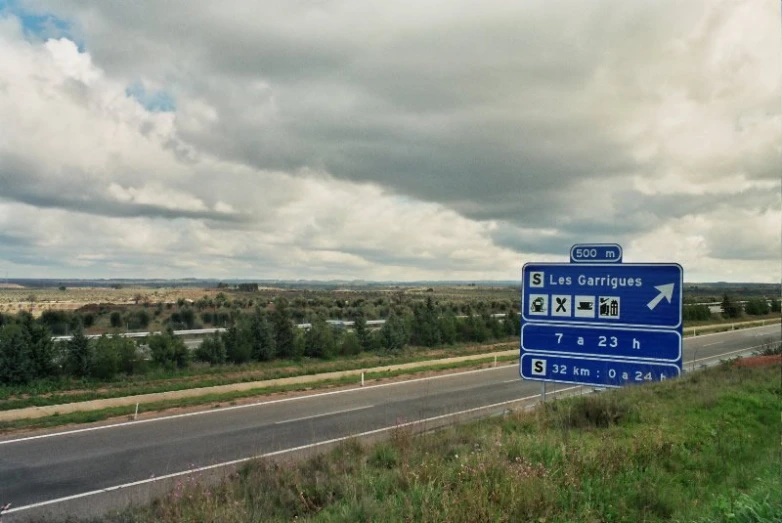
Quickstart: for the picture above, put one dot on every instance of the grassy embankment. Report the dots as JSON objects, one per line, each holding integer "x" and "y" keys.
{"x": 702, "y": 448}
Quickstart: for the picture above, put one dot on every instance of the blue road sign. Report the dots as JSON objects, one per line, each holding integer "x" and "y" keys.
{"x": 597, "y": 372}
{"x": 596, "y": 253}
{"x": 603, "y": 324}
{"x": 614, "y": 343}
{"x": 629, "y": 294}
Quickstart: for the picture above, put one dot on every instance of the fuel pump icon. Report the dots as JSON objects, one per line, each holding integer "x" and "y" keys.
{"x": 538, "y": 304}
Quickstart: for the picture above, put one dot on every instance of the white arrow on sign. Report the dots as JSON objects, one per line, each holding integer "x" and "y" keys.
{"x": 666, "y": 291}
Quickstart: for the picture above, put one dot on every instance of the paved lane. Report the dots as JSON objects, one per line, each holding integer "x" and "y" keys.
{"x": 65, "y": 464}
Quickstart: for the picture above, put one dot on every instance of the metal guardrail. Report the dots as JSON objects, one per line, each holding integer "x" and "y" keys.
{"x": 373, "y": 323}
{"x": 188, "y": 332}
{"x": 729, "y": 326}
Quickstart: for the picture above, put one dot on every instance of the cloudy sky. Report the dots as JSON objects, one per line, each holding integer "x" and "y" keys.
{"x": 436, "y": 139}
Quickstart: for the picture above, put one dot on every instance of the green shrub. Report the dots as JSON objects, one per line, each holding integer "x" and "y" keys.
{"x": 212, "y": 350}
{"x": 16, "y": 364}
{"x": 130, "y": 361}
{"x": 106, "y": 363}
{"x": 168, "y": 351}
{"x": 350, "y": 344}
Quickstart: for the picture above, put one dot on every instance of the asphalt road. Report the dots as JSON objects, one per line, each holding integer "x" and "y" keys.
{"x": 58, "y": 465}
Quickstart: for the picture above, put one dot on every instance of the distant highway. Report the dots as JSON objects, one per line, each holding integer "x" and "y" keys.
{"x": 68, "y": 468}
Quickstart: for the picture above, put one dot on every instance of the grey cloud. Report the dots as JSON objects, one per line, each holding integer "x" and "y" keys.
{"x": 496, "y": 113}
{"x": 634, "y": 214}
{"x": 21, "y": 180}
{"x": 529, "y": 114}
{"x": 11, "y": 239}
{"x": 738, "y": 246}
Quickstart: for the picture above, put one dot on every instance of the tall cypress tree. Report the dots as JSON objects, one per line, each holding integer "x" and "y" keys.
{"x": 261, "y": 336}
{"x": 360, "y": 327}
{"x": 16, "y": 364}
{"x": 284, "y": 335}
{"x": 78, "y": 359}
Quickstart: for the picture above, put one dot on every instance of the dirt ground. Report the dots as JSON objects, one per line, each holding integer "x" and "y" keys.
{"x": 759, "y": 361}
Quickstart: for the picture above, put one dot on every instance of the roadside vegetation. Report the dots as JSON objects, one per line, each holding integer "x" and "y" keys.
{"x": 28, "y": 353}
{"x": 704, "y": 448}
{"x": 262, "y": 342}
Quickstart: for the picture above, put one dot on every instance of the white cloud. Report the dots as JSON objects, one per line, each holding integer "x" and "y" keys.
{"x": 391, "y": 141}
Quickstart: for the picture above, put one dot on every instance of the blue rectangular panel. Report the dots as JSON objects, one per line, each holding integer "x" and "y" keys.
{"x": 602, "y": 342}
{"x": 628, "y": 294}
{"x": 596, "y": 253}
{"x": 600, "y": 373}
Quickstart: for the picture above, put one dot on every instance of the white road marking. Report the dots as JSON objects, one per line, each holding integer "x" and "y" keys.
{"x": 249, "y": 405}
{"x": 302, "y": 447}
{"x": 712, "y": 344}
{"x": 322, "y": 415}
{"x": 515, "y": 380}
{"x": 329, "y": 393}
{"x": 271, "y": 454}
{"x": 746, "y": 349}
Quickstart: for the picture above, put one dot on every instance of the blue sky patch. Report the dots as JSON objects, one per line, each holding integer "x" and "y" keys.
{"x": 39, "y": 25}
{"x": 157, "y": 101}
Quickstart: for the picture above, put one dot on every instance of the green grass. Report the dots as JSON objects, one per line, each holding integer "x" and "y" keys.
{"x": 227, "y": 397}
{"x": 57, "y": 392}
{"x": 704, "y": 448}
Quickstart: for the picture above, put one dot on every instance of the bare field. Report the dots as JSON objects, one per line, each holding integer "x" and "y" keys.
{"x": 38, "y": 300}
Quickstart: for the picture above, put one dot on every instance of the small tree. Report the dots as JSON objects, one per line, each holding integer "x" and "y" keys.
{"x": 237, "y": 347}
{"x": 115, "y": 319}
{"x": 350, "y": 344}
{"x": 261, "y": 336}
{"x": 212, "y": 350}
{"x": 493, "y": 326}
{"x": 447, "y": 327}
{"x": 142, "y": 318}
{"x": 106, "y": 362}
{"x": 284, "y": 335}
{"x": 130, "y": 361}
{"x": 79, "y": 355}
{"x": 16, "y": 364}
{"x": 757, "y": 307}
{"x": 168, "y": 351}
{"x": 730, "y": 308}
{"x": 425, "y": 328}
{"x": 42, "y": 348}
{"x": 394, "y": 333}
{"x": 319, "y": 340}
{"x": 362, "y": 332}
{"x": 775, "y": 305}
